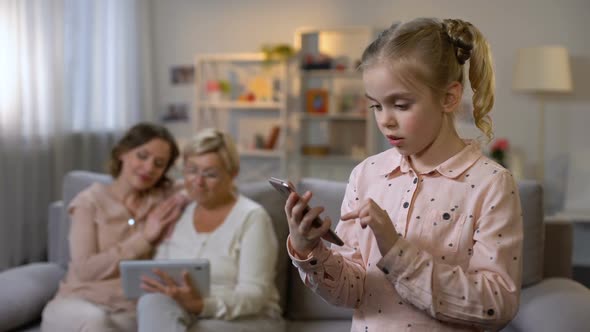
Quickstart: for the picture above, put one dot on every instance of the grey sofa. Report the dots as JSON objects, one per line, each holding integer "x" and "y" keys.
{"x": 547, "y": 304}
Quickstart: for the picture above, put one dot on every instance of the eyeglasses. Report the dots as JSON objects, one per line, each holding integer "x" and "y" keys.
{"x": 193, "y": 172}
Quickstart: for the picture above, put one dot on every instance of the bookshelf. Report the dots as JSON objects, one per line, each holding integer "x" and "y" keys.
{"x": 329, "y": 141}
{"x": 248, "y": 97}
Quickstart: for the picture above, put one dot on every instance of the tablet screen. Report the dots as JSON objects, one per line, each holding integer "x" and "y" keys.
{"x": 133, "y": 270}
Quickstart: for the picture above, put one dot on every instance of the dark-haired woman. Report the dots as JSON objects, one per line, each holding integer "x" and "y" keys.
{"x": 112, "y": 222}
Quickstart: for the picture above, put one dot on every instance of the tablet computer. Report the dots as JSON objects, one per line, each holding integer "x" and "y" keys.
{"x": 133, "y": 270}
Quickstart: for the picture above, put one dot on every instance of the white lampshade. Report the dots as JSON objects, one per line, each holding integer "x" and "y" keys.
{"x": 543, "y": 69}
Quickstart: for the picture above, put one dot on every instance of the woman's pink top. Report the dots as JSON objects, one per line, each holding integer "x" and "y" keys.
{"x": 100, "y": 237}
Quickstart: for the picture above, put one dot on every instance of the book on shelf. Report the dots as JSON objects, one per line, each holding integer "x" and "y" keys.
{"x": 273, "y": 137}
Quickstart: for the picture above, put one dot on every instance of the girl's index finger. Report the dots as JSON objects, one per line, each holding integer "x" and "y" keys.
{"x": 350, "y": 215}
{"x": 293, "y": 197}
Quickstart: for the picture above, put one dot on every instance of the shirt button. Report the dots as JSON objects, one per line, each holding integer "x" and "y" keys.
{"x": 446, "y": 216}
{"x": 415, "y": 180}
{"x": 491, "y": 312}
{"x": 406, "y": 204}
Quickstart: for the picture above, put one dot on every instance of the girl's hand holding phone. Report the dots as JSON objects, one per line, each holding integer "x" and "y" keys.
{"x": 371, "y": 214}
{"x": 304, "y": 236}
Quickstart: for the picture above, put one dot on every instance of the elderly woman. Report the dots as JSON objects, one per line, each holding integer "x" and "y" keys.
{"x": 234, "y": 233}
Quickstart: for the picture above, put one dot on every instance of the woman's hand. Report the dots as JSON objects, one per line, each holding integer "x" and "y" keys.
{"x": 304, "y": 235}
{"x": 162, "y": 217}
{"x": 371, "y": 214}
{"x": 186, "y": 295}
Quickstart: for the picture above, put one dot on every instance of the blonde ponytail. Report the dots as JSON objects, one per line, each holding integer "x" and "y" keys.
{"x": 470, "y": 44}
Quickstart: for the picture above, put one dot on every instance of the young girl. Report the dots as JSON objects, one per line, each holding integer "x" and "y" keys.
{"x": 433, "y": 228}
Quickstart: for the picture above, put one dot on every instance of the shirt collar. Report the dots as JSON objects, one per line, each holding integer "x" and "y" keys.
{"x": 390, "y": 160}
{"x": 459, "y": 163}
{"x": 387, "y": 161}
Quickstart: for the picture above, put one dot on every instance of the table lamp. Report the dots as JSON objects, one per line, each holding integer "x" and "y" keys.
{"x": 541, "y": 71}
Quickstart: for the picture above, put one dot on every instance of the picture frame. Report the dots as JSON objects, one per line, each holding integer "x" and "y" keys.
{"x": 317, "y": 101}
{"x": 175, "y": 112}
{"x": 182, "y": 74}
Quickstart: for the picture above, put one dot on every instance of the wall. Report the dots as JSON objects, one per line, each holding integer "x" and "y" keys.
{"x": 183, "y": 28}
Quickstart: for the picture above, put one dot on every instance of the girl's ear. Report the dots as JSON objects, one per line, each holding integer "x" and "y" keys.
{"x": 452, "y": 97}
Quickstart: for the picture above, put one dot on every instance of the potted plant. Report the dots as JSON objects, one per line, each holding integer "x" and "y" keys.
{"x": 499, "y": 151}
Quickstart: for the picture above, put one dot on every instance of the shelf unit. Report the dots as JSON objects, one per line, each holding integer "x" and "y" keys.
{"x": 250, "y": 122}
{"x": 330, "y": 144}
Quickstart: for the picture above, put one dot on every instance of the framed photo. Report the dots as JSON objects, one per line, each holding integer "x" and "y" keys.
{"x": 317, "y": 101}
{"x": 175, "y": 112}
{"x": 182, "y": 75}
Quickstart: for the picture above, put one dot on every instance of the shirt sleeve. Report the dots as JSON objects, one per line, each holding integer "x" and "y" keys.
{"x": 337, "y": 274}
{"x": 88, "y": 263}
{"x": 486, "y": 294}
{"x": 257, "y": 262}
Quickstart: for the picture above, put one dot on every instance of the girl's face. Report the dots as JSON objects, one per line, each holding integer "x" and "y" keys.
{"x": 206, "y": 179}
{"x": 143, "y": 166}
{"x": 409, "y": 120}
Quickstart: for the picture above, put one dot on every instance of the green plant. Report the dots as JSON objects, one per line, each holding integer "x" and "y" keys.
{"x": 277, "y": 52}
{"x": 224, "y": 86}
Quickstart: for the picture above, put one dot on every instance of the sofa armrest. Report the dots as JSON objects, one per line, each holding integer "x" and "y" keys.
{"x": 24, "y": 292}
{"x": 555, "y": 304}
{"x": 558, "y": 253}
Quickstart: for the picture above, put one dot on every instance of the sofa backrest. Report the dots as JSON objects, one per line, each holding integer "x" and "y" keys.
{"x": 299, "y": 302}
{"x": 73, "y": 183}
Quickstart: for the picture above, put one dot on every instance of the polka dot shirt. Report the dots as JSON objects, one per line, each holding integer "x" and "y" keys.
{"x": 456, "y": 265}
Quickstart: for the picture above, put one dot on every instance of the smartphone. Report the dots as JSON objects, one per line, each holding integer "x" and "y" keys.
{"x": 285, "y": 189}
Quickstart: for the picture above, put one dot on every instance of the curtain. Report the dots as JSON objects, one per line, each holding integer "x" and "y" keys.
{"x": 74, "y": 74}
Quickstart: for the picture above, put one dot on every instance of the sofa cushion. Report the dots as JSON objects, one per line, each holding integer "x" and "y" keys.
{"x": 531, "y": 198}
{"x": 25, "y": 291}
{"x": 76, "y": 181}
{"x": 555, "y": 304}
